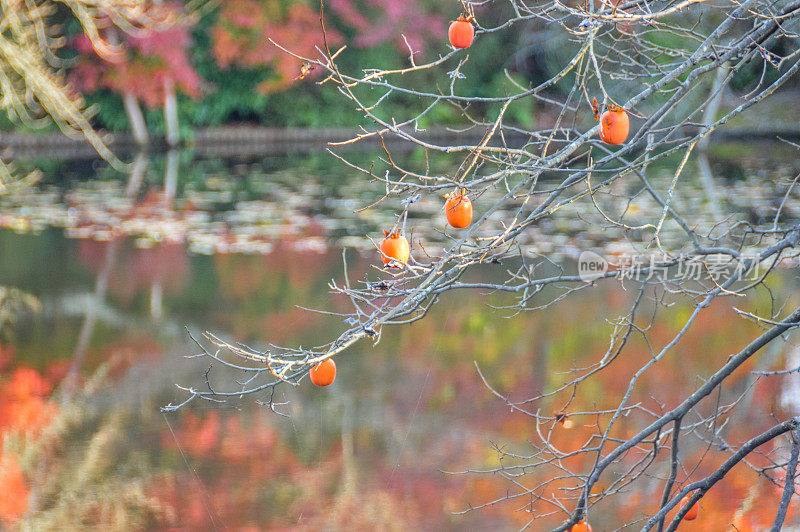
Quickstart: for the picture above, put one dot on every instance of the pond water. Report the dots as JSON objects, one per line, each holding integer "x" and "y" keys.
{"x": 108, "y": 271}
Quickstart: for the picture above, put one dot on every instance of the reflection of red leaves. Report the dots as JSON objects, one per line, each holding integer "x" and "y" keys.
{"x": 127, "y": 353}
{"x": 57, "y": 370}
{"x": 291, "y": 271}
{"x": 7, "y": 353}
{"x": 23, "y": 407}
{"x": 26, "y": 382}
{"x": 167, "y": 264}
{"x": 92, "y": 253}
{"x": 197, "y": 437}
{"x": 14, "y": 500}
{"x": 254, "y": 460}
{"x": 23, "y": 401}
{"x": 234, "y": 451}
{"x": 210, "y": 434}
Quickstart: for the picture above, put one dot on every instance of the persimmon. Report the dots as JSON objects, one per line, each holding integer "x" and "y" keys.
{"x": 323, "y": 373}
{"x": 564, "y": 420}
{"x": 614, "y": 123}
{"x": 458, "y": 209}
{"x": 581, "y": 526}
{"x": 395, "y": 247}
{"x": 461, "y": 32}
{"x": 691, "y": 515}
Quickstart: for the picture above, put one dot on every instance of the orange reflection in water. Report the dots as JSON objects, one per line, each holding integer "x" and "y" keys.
{"x": 368, "y": 453}
{"x": 25, "y": 410}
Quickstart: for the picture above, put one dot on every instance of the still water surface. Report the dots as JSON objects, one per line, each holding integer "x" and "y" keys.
{"x": 120, "y": 266}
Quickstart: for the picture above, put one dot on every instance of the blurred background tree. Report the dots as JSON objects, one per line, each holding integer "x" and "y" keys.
{"x": 153, "y": 67}
{"x": 142, "y": 65}
{"x": 225, "y": 69}
{"x": 33, "y": 86}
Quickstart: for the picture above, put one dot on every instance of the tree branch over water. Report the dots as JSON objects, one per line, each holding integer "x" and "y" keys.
{"x": 664, "y": 64}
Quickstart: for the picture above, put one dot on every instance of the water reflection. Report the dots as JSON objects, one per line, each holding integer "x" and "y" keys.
{"x": 244, "y": 207}
{"x": 120, "y": 266}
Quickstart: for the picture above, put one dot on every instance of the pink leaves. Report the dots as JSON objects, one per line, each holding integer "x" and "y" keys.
{"x": 150, "y": 61}
{"x": 244, "y": 29}
{"x": 390, "y": 21}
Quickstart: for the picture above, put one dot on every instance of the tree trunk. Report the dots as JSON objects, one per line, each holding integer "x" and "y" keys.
{"x": 136, "y": 118}
{"x": 171, "y": 178}
{"x": 170, "y": 112}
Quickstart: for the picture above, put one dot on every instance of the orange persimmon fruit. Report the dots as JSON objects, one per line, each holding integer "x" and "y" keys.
{"x": 323, "y": 373}
{"x": 581, "y": 526}
{"x": 564, "y": 420}
{"x": 461, "y": 32}
{"x": 614, "y": 126}
{"x": 691, "y": 515}
{"x": 458, "y": 210}
{"x": 395, "y": 247}
{"x": 614, "y": 123}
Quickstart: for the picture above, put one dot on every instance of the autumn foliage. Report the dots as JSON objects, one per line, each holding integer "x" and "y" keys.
{"x": 25, "y": 409}
{"x": 244, "y": 29}
{"x": 25, "y": 406}
{"x": 14, "y": 500}
{"x": 152, "y": 60}
{"x": 257, "y": 471}
{"x": 248, "y": 35}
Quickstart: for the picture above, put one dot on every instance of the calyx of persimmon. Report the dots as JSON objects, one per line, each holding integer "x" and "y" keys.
{"x": 596, "y": 109}
{"x": 457, "y": 194}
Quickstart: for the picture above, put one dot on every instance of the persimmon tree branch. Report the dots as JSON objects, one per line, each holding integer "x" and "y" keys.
{"x": 670, "y": 66}
{"x": 788, "y": 483}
